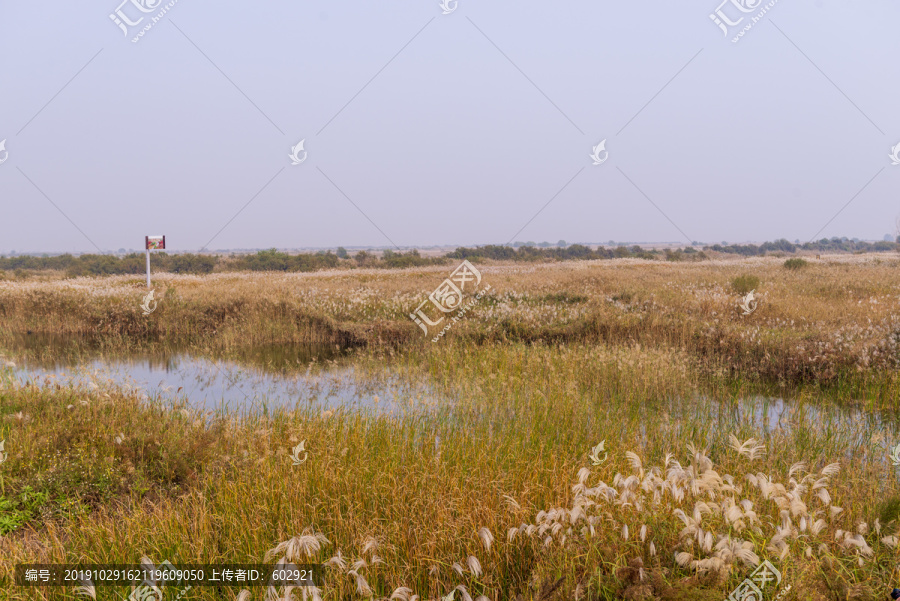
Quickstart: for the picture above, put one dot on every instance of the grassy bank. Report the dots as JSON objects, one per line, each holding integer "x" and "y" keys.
{"x": 831, "y": 323}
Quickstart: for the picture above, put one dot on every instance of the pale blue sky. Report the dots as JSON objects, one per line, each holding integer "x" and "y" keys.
{"x": 462, "y": 138}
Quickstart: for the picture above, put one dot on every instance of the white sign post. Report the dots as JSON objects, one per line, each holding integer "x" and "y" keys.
{"x": 153, "y": 243}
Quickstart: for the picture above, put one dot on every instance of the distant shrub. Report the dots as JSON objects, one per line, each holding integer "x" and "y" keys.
{"x": 189, "y": 263}
{"x": 745, "y": 283}
{"x": 795, "y": 263}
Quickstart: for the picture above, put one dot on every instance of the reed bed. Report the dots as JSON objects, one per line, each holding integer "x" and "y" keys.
{"x": 502, "y": 489}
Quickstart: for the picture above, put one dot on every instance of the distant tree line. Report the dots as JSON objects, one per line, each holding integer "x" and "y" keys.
{"x": 824, "y": 245}
{"x": 275, "y": 260}
{"x": 264, "y": 260}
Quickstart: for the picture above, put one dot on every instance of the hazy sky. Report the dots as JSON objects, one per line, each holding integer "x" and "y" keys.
{"x": 444, "y": 129}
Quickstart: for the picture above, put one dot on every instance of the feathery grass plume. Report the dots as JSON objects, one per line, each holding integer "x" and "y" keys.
{"x": 362, "y": 587}
{"x": 337, "y": 561}
{"x": 369, "y": 544}
{"x": 683, "y": 558}
{"x": 486, "y": 538}
{"x": 457, "y": 568}
{"x": 481, "y": 598}
{"x": 314, "y": 593}
{"x": 474, "y": 566}
{"x": 643, "y": 532}
{"x": 652, "y": 549}
{"x": 835, "y": 510}
{"x": 308, "y": 542}
{"x": 511, "y": 534}
{"x": 244, "y": 595}
{"x": 634, "y": 461}
{"x": 797, "y": 467}
{"x": 750, "y": 448}
{"x": 401, "y": 593}
{"x": 831, "y": 469}
{"x": 375, "y": 559}
{"x": 595, "y": 453}
{"x": 625, "y": 531}
{"x": 295, "y": 453}
{"x": 359, "y": 564}
{"x": 512, "y": 503}
{"x": 433, "y": 570}
{"x": 890, "y": 541}
{"x": 86, "y": 589}
{"x": 465, "y": 593}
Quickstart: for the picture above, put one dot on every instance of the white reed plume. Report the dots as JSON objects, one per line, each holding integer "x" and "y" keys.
{"x": 359, "y": 564}
{"x": 625, "y": 531}
{"x": 643, "y": 532}
{"x": 511, "y": 534}
{"x": 750, "y": 448}
{"x": 337, "y": 561}
{"x": 486, "y": 538}
{"x": 683, "y": 558}
{"x": 816, "y": 527}
{"x": 474, "y": 566}
{"x": 244, "y": 595}
{"x": 457, "y": 567}
{"x": 86, "y": 589}
{"x": 652, "y": 549}
{"x": 362, "y": 587}
{"x": 465, "y": 593}
{"x": 369, "y": 544}
{"x": 512, "y": 503}
{"x": 831, "y": 469}
{"x": 401, "y": 593}
{"x": 634, "y": 461}
{"x": 858, "y": 541}
{"x": 309, "y": 543}
{"x": 313, "y": 592}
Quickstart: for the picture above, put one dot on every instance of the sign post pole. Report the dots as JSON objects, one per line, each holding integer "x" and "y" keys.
{"x": 153, "y": 243}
